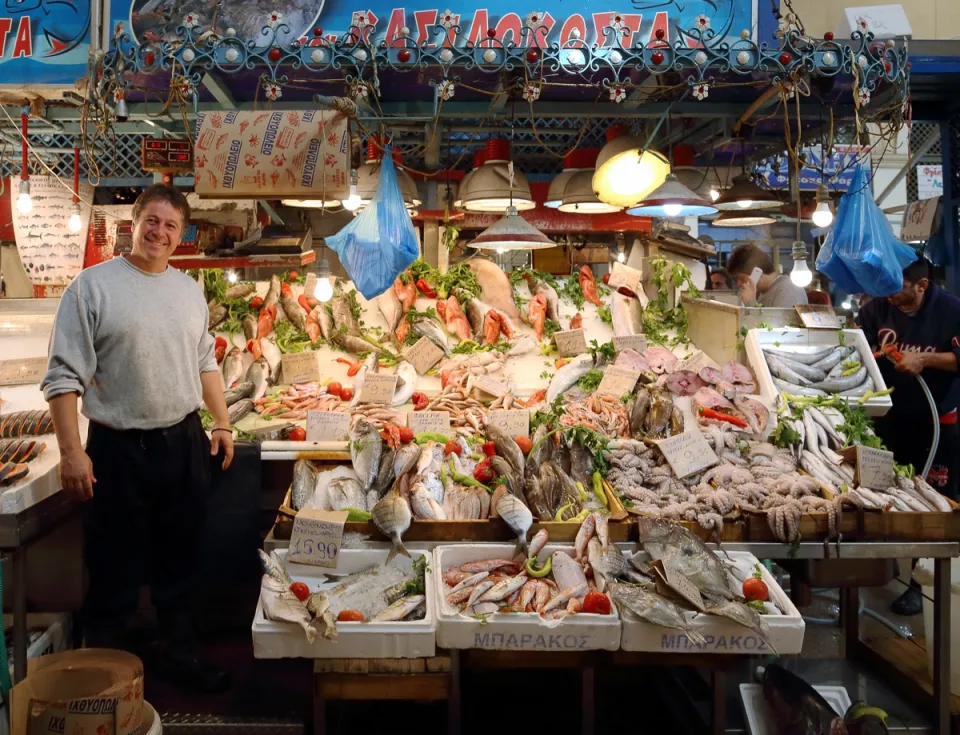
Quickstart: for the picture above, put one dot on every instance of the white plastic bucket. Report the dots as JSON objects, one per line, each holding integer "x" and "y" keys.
{"x": 924, "y": 575}
{"x": 151, "y": 721}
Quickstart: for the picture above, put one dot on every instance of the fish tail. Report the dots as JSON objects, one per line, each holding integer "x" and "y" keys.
{"x": 397, "y": 548}
{"x": 522, "y": 546}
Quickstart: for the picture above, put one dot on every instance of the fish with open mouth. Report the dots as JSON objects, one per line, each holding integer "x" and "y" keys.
{"x": 366, "y": 448}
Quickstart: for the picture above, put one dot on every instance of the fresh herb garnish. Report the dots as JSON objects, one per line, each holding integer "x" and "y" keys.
{"x": 418, "y": 585}
{"x": 605, "y": 316}
{"x": 459, "y": 276}
{"x": 572, "y": 292}
{"x": 591, "y": 380}
{"x": 658, "y": 319}
{"x": 546, "y": 375}
{"x": 290, "y": 339}
{"x": 469, "y": 346}
{"x": 551, "y": 327}
{"x": 605, "y": 350}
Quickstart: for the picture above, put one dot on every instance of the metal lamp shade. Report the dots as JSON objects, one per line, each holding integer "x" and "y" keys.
{"x": 511, "y": 232}
{"x": 669, "y": 196}
{"x": 744, "y": 190}
{"x": 579, "y": 196}
{"x": 744, "y": 218}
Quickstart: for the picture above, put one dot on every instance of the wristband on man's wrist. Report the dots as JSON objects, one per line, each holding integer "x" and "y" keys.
{"x": 229, "y": 431}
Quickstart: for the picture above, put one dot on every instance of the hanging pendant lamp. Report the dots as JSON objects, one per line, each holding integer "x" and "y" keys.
{"x": 578, "y": 194}
{"x": 479, "y": 156}
{"x": 745, "y": 194}
{"x": 493, "y": 188}
{"x": 625, "y": 173}
{"x": 673, "y": 199}
{"x": 743, "y": 218}
{"x": 571, "y": 165}
{"x": 511, "y": 232}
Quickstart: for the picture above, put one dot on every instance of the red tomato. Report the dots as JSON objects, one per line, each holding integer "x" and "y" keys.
{"x": 483, "y": 472}
{"x": 256, "y": 302}
{"x": 346, "y": 394}
{"x": 489, "y": 449}
{"x": 420, "y": 401}
{"x": 300, "y": 590}
{"x": 606, "y": 278}
{"x": 350, "y": 616}
{"x": 297, "y": 434}
{"x": 755, "y": 589}
{"x": 293, "y": 276}
{"x": 524, "y": 443}
{"x": 453, "y": 447}
{"x": 334, "y": 388}
{"x": 596, "y": 602}
{"x": 406, "y": 434}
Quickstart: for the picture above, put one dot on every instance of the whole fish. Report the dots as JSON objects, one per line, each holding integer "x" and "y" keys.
{"x": 836, "y": 356}
{"x": 838, "y": 385}
{"x": 542, "y": 288}
{"x": 239, "y": 409}
{"x": 240, "y": 290}
{"x": 606, "y": 563}
{"x": 354, "y": 344}
{"x": 536, "y": 499}
{"x": 259, "y": 374}
{"x": 454, "y": 318}
{"x": 407, "y": 378}
{"x": 238, "y": 392}
{"x": 271, "y": 353}
{"x": 218, "y": 315}
{"x": 392, "y": 516}
{"x": 273, "y": 566}
{"x": 430, "y": 329}
{"x": 745, "y": 616}
{"x": 423, "y": 504}
{"x": 406, "y": 292}
{"x": 566, "y": 572}
{"x": 366, "y": 448}
{"x": 780, "y": 370}
{"x": 503, "y": 589}
{"x": 567, "y": 376}
{"x": 797, "y": 707}
{"x": 657, "y": 421}
{"x": 312, "y": 325}
{"x": 406, "y": 459}
{"x": 627, "y": 315}
{"x": 343, "y": 317}
{"x": 581, "y": 464}
{"x": 249, "y": 325}
{"x": 518, "y": 518}
{"x": 400, "y": 609}
{"x": 653, "y": 608}
{"x": 389, "y": 304}
{"x": 588, "y": 284}
{"x": 345, "y": 492}
{"x": 282, "y": 606}
{"x": 277, "y": 432}
{"x": 807, "y": 358}
{"x": 305, "y": 477}
{"x": 565, "y": 596}
{"x": 686, "y": 553}
{"x": 638, "y": 414}
{"x": 232, "y": 367}
{"x": 325, "y": 318}
{"x": 293, "y": 310}
{"x": 795, "y": 390}
{"x": 864, "y": 387}
{"x": 506, "y": 447}
{"x": 537, "y": 314}
{"x": 805, "y": 371}
{"x": 273, "y": 292}
{"x": 495, "y": 288}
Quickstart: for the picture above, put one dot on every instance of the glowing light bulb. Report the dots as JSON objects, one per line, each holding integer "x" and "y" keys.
{"x": 500, "y": 251}
{"x": 353, "y": 202}
{"x": 24, "y": 203}
{"x": 801, "y": 274}
{"x": 744, "y": 203}
{"x": 75, "y": 223}
{"x": 823, "y": 215}
{"x": 621, "y": 258}
{"x": 846, "y": 304}
{"x": 324, "y": 290}
{"x": 714, "y": 193}
{"x": 232, "y": 276}
{"x": 672, "y": 210}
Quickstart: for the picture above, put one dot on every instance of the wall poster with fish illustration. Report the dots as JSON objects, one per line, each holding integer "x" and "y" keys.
{"x": 51, "y": 254}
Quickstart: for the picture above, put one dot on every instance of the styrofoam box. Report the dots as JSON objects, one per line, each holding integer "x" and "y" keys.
{"x": 515, "y": 631}
{"x": 810, "y": 340}
{"x": 722, "y": 634}
{"x": 56, "y": 636}
{"x": 413, "y": 639}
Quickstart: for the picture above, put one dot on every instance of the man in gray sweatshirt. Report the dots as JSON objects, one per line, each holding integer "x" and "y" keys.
{"x": 131, "y": 340}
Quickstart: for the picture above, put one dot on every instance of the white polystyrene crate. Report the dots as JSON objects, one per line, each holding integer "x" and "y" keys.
{"x": 515, "y": 631}
{"x": 413, "y": 639}
{"x": 810, "y": 340}
{"x": 723, "y": 636}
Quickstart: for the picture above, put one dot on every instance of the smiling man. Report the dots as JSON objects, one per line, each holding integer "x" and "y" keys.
{"x": 131, "y": 340}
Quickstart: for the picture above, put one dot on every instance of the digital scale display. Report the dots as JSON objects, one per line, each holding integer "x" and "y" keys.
{"x": 166, "y": 156}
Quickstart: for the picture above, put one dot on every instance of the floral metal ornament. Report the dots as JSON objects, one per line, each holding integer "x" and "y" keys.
{"x": 361, "y": 91}
{"x": 701, "y": 23}
{"x": 618, "y": 93}
{"x": 531, "y": 91}
{"x": 191, "y": 20}
{"x": 863, "y": 97}
{"x": 701, "y": 91}
{"x": 274, "y": 19}
{"x": 534, "y": 21}
{"x": 447, "y": 19}
{"x": 446, "y": 89}
{"x": 183, "y": 87}
{"x": 272, "y": 91}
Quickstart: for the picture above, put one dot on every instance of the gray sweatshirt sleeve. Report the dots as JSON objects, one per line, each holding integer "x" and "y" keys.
{"x": 207, "y": 358}
{"x": 73, "y": 359}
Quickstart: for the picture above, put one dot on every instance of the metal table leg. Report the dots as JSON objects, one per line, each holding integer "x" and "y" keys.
{"x": 19, "y": 615}
{"x": 587, "y": 706}
{"x": 453, "y": 704}
{"x": 941, "y": 652}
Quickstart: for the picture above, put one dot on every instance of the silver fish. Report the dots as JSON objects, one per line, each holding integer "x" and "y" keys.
{"x": 506, "y": 447}
{"x": 553, "y": 301}
{"x": 305, "y": 476}
{"x": 325, "y": 317}
{"x": 284, "y": 607}
{"x": 866, "y": 385}
{"x": 518, "y": 518}
{"x": 273, "y": 356}
{"x": 807, "y": 358}
{"x": 238, "y": 392}
{"x": 478, "y": 590}
{"x": 366, "y": 448}
{"x": 503, "y": 589}
{"x": 430, "y": 329}
{"x": 653, "y": 608}
{"x": 606, "y": 563}
{"x": 406, "y": 459}
{"x": 249, "y": 326}
{"x": 392, "y": 516}
{"x": 780, "y": 370}
{"x": 240, "y": 290}
{"x": 345, "y": 492}
{"x": 239, "y": 409}
{"x": 804, "y": 371}
{"x": 836, "y": 356}
{"x": 406, "y": 383}
{"x": 839, "y": 385}
{"x": 745, "y": 616}
{"x": 424, "y": 506}
{"x": 795, "y": 390}
{"x": 232, "y": 367}
{"x": 567, "y": 376}
{"x": 400, "y": 609}
{"x": 385, "y": 474}
{"x": 293, "y": 310}
{"x": 343, "y": 317}
{"x": 566, "y": 571}
{"x": 354, "y": 344}
{"x": 627, "y": 315}
{"x": 676, "y": 547}
{"x": 638, "y": 413}
{"x": 273, "y": 566}
{"x": 218, "y": 315}
{"x": 389, "y": 304}
{"x": 273, "y": 292}
{"x": 258, "y": 373}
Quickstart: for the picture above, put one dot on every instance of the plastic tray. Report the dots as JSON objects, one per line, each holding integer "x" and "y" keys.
{"x": 723, "y": 636}
{"x": 415, "y": 639}
{"x": 811, "y": 340}
{"x": 515, "y": 631}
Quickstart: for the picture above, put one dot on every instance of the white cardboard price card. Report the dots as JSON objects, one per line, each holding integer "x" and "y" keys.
{"x": 378, "y": 388}
{"x": 488, "y": 385}
{"x": 432, "y": 421}
{"x": 624, "y": 275}
{"x": 423, "y": 355}
{"x": 316, "y": 537}
{"x": 301, "y": 367}
{"x": 688, "y": 453}
{"x": 515, "y": 422}
{"x": 697, "y": 360}
{"x": 618, "y": 381}
{"x": 636, "y": 342}
{"x": 23, "y": 371}
{"x": 571, "y": 343}
{"x": 818, "y": 316}
{"x": 327, "y": 426}
{"x": 875, "y": 468}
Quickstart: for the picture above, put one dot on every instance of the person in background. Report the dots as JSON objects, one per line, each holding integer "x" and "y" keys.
{"x": 130, "y": 339}
{"x": 771, "y": 290}
{"x": 721, "y": 280}
{"x": 922, "y": 321}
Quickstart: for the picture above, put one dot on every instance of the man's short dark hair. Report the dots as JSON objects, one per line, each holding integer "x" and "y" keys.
{"x": 728, "y": 280}
{"x": 162, "y": 193}
{"x": 920, "y": 268}
{"x": 747, "y": 257}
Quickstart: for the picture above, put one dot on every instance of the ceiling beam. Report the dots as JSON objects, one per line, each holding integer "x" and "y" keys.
{"x": 220, "y": 93}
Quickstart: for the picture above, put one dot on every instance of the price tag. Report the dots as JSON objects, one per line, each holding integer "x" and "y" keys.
{"x": 624, "y": 275}
{"x": 514, "y": 422}
{"x": 688, "y": 453}
{"x": 327, "y": 426}
{"x": 316, "y": 537}
{"x": 697, "y": 360}
{"x": 571, "y": 342}
{"x": 618, "y": 381}
{"x": 488, "y": 385}
{"x": 875, "y": 468}
{"x": 433, "y": 421}
{"x": 378, "y": 388}
{"x": 636, "y": 342}
{"x": 678, "y": 584}
{"x": 23, "y": 371}
{"x": 301, "y": 367}
{"x": 818, "y": 316}
{"x": 423, "y": 355}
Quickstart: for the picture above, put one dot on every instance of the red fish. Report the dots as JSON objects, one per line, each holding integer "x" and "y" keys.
{"x": 494, "y": 325}
{"x": 220, "y": 349}
{"x": 534, "y": 399}
{"x": 253, "y": 347}
{"x": 576, "y": 322}
{"x": 406, "y": 292}
{"x": 312, "y": 325}
{"x": 402, "y": 331}
{"x": 588, "y": 284}
{"x": 268, "y": 315}
{"x": 537, "y": 314}
{"x": 454, "y": 318}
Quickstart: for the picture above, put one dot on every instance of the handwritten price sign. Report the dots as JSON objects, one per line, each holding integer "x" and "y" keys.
{"x": 316, "y": 537}
{"x": 22, "y": 372}
{"x": 688, "y": 453}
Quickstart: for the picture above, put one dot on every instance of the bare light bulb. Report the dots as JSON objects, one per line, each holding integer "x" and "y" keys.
{"x": 74, "y": 223}
{"x": 324, "y": 290}
{"x": 353, "y": 202}
{"x": 621, "y": 257}
{"x": 672, "y": 210}
{"x": 714, "y": 193}
{"x": 846, "y": 305}
{"x": 232, "y": 276}
{"x": 744, "y": 203}
{"x": 500, "y": 251}
{"x": 823, "y": 215}
{"x": 801, "y": 274}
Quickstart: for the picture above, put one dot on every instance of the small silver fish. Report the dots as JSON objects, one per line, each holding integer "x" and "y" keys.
{"x": 232, "y": 367}
{"x": 518, "y": 518}
{"x": 392, "y": 516}
{"x": 653, "y": 608}
{"x": 430, "y": 329}
{"x": 259, "y": 374}
{"x": 345, "y": 492}
{"x": 400, "y": 609}
{"x": 366, "y": 449}
{"x": 607, "y": 563}
{"x": 273, "y": 566}
{"x": 304, "y": 485}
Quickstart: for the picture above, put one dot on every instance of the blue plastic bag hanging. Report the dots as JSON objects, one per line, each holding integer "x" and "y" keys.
{"x": 861, "y": 253}
{"x": 380, "y": 243}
